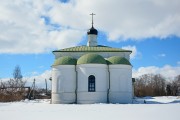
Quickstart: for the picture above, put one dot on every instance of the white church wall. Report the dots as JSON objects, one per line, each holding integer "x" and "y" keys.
{"x": 101, "y": 83}
{"x": 63, "y": 84}
{"x": 120, "y": 84}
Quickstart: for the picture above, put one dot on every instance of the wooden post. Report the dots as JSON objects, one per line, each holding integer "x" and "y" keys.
{"x": 46, "y": 85}
{"x": 34, "y": 89}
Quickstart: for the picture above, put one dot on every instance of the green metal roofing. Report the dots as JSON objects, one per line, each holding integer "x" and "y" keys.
{"x": 118, "y": 60}
{"x": 91, "y": 58}
{"x": 65, "y": 60}
{"x": 92, "y": 49}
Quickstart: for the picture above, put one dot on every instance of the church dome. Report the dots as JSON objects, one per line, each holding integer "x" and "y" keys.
{"x": 92, "y": 31}
{"x": 65, "y": 60}
{"x": 118, "y": 60}
{"x": 91, "y": 58}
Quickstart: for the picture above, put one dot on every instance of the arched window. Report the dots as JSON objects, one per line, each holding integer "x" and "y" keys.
{"x": 91, "y": 83}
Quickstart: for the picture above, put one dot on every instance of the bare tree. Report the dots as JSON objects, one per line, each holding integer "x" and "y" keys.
{"x": 18, "y": 77}
{"x": 168, "y": 89}
{"x": 159, "y": 85}
{"x": 150, "y": 85}
{"x": 175, "y": 85}
{"x": 143, "y": 85}
{"x": 17, "y": 73}
{"x": 13, "y": 89}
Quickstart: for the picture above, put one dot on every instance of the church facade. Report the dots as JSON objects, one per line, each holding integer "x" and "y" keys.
{"x": 91, "y": 74}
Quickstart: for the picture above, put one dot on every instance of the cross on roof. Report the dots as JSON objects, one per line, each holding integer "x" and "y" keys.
{"x": 92, "y": 18}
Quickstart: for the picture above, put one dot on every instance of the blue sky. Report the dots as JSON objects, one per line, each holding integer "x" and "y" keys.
{"x": 31, "y": 30}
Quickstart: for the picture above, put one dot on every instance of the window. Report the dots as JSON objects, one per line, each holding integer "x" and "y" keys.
{"x": 91, "y": 83}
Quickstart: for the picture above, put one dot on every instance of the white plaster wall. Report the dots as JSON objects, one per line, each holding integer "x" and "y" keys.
{"x": 92, "y": 40}
{"x": 120, "y": 84}
{"x": 101, "y": 83}
{"x": 63, "y": 84}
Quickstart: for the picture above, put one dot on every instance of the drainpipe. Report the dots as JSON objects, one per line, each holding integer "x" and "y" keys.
{"x": 76, "y": 84}
{"x": 109, "y": 84}
{"x": 51, "y": 87}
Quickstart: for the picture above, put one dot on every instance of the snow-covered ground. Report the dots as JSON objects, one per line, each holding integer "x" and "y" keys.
{"x": 148, "y": 108}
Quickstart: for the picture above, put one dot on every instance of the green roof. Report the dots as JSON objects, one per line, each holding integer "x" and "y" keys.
{"x": 118, "y": 60}
{"x": 91, "y": 58}
{"x": 92, "y": 49}
{"x": 65, "y": 60}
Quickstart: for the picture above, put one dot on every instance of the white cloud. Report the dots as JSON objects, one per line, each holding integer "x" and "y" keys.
{"x": 24, "y": 30}
{"x": 134, "y": 53}
{"x": 162, "y": 55}
{"x": 167, "y": 71}
{"x": 39, "y": 79}
{"x": 178, "y": 62}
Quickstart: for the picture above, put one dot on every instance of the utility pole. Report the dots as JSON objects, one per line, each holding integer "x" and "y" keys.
{"x": 46, "y": 85}
{"x": 34, "y": 88}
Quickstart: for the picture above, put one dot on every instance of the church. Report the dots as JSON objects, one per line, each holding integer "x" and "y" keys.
{"x": 91, "y": 73}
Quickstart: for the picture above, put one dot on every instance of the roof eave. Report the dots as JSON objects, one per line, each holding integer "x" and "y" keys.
{"x": 90, "y": 51}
